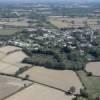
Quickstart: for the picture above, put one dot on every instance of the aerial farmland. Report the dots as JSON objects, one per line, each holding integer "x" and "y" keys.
{"x": 49, "y": 50}
{"x": 42, "y": 79}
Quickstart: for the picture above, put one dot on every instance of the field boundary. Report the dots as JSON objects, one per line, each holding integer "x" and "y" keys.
{"x": 22, "y": 88}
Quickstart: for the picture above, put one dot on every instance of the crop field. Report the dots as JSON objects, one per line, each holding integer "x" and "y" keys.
{"x": 55, "y": 78}
{"x": 8, "y": 31}
{"x": 10, "y": 59}
{"x": 8, "y": 68}
{"x": 93, "y": 67}
{"x": 1, "y": 55}
{"x": 9, "y": 85}
{"x": 39, "y": 92}
{"x": 14, "y": 22}
{"x": 66, "y": 22}
{"x": 91, "y": 83}
{"x": 15, "y": 57}
{"x": 8, "y": 49}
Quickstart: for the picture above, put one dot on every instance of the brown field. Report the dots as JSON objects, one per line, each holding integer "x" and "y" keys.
{"x": 21, "y": 23}
{"x": 8, "y": 31}
{"x": 14, "y": 21}
{"x": 15, "y": 57}
{"x": 10, "y": 59}
{"x": 58, "y": 79}
{"x": 8, "y": 68}
{"x": 39, "y": 92}
{"x": 93, "y": 67}
{"x": 9, "y": 49}
{"x": 66, "y": 22}
{"x": 2, "y": 55}
{"x": 9, "y": 85}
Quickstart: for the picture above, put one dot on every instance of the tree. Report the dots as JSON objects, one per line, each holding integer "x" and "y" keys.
{"x": 83, "y": 93}
{"x": 89, "y": 74}
{"x": 66, "y": 49}
{"x": 97, "y": 98}
{"x": 26, "y": 77}
{"x": 72, "y": 89}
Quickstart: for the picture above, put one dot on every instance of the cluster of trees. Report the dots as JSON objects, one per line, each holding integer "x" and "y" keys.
{"x": 49, "y": 52}
{"x": 47, "y": 58}
{"x": 77, "y": 61}
{"x": 95, "y": 52}
{"x": 83, "y": 93}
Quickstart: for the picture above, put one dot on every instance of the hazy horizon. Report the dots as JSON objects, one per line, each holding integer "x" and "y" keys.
{"x": 49, "y": 0}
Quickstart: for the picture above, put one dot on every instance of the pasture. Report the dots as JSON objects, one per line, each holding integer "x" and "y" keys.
{"x": 91, "y": 83}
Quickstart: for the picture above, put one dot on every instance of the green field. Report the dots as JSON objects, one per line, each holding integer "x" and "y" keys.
{"x": 7, "y": 32}
{"x": 91, "y": 83}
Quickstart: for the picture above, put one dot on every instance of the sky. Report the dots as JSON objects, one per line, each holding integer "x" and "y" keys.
{"x": 49, "y": 0}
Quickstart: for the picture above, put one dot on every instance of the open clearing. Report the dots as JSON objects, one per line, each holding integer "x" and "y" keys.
{"x": 39, "y": 92}
{"x": 9, "y": 85}
{"x": 91, "y": 83}
{"x": 93, "y": 67}
{"x": 55, "y": 78}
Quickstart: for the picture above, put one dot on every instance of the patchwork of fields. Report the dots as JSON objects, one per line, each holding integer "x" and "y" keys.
{"x": 39, "y": 92}
{"x": 48, "y": 84}
{"x": 10, "y": 85}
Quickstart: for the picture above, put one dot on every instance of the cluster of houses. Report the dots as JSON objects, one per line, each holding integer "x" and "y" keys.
{"x": 37, "y": 38}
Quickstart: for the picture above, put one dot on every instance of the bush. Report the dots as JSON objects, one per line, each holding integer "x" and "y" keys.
{"x": 89, "y": 74}
{"x": 83, "y": 93}
{"x": 72, "y": 89}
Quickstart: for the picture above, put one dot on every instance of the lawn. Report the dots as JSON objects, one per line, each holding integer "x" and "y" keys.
{"x": 91, "y": 83}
